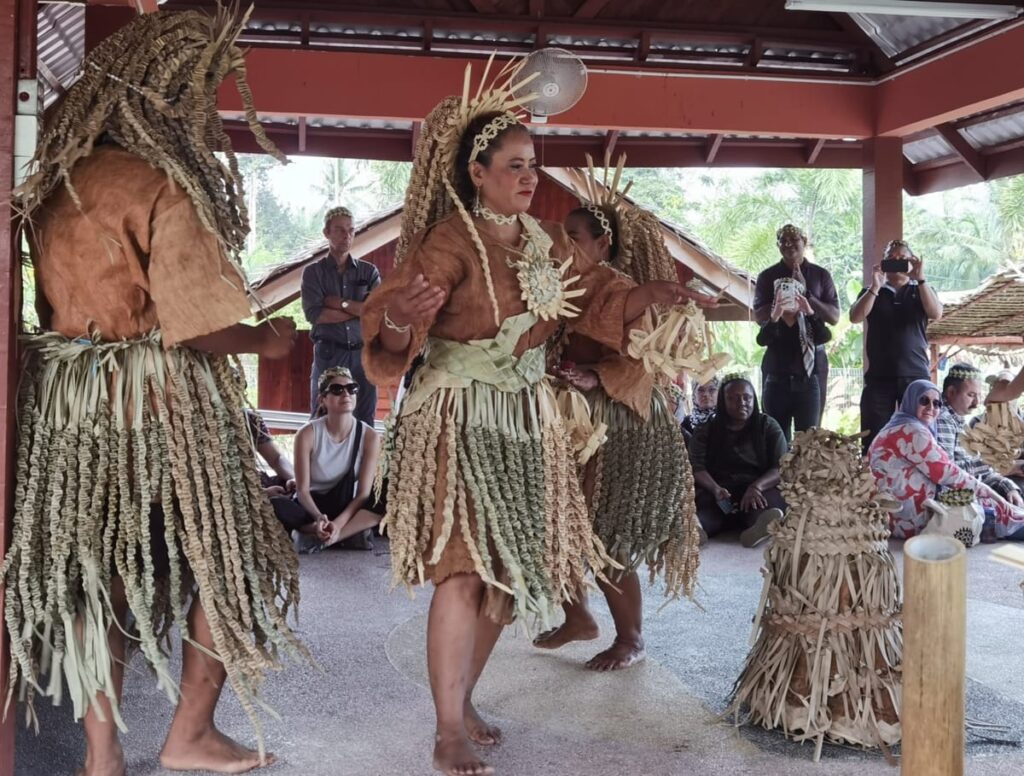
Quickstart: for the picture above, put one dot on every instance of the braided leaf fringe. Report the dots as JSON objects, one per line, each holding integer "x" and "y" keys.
{"x": 643, "y": 507}
{"x": 106, "y": 430}
{"x": 507, "y": 458}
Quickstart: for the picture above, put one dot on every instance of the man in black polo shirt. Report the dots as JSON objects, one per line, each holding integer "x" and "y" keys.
{"x": 333, "y": 291}
{"x": 895, "y": 309}
{"x": 793, "y": 331}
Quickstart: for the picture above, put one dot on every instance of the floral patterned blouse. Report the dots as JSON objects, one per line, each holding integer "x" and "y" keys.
{"x": 908, "y": 462}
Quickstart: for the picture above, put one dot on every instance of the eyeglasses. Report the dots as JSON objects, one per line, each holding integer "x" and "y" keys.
{"x": 924, "y": 401}
{"x": 336, "y": 389}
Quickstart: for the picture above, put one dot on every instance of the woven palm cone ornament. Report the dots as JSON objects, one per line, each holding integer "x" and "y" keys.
{"x": 643, "y": 491}
{"x": 502, "y": 457}
{"x": 106, "y": 428}
{"x": 826, "y": 663}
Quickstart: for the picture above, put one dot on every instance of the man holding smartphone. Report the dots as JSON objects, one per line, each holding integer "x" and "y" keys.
{"x": 895, "y": 309}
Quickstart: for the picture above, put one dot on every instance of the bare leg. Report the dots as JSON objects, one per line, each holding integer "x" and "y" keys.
{"x": 193, "y": 742}
{"x": 103, "y": 753}
{"x": 479, "y": 731}
{"x": 579, "y": 625}
{"x": 626, "y": 605}
{"x": 451, "y": 646}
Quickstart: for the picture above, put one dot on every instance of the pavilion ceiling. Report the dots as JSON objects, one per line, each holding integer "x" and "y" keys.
{"x": 748, "y": 82}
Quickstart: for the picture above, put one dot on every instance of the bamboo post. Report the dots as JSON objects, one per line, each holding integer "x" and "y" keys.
{"x": 934, "y": 656}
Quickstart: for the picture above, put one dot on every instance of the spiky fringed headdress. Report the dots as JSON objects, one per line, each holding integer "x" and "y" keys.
{"x": 431, "y": 194}
{"x": 151, "y": 88}
{"x": 641, "y": 251}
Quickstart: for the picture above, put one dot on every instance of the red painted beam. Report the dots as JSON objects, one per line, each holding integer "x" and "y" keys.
{"x": 301, "y": 82}
{"x": 17, "y": 58}
{"x": 954, "y": 173}
{"x": 980, "y": 76}
{"x": 968, "y": 153}
{"x": 561, "y": 151}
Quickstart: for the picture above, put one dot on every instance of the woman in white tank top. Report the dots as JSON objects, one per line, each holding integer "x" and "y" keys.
{"x": 335, "y": 460}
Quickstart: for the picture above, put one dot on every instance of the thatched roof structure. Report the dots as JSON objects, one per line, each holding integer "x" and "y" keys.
{"x": 993, "y": 314}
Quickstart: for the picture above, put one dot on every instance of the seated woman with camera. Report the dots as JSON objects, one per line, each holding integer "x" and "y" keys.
{"x": 735, "y": 459}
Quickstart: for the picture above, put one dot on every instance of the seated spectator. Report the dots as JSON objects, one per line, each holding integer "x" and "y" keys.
{"x": 335, "y": 461}
{"x": 283, "y": 479}
{"x": 908, "y": 462}
{"x": 705, "y": 399}
{"x": 961, "y": 394}
{"x": 735, "y": 459}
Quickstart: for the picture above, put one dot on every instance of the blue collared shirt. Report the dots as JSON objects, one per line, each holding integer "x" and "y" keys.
{"x": 322, "y": 279}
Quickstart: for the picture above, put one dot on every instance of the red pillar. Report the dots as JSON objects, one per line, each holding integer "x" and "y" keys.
{"x": 883, "y": 197}
{"x": 17, "y": 60}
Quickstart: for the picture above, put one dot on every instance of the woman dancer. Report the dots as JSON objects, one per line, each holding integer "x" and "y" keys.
{"x": 638, "y": 485}
{"x": 483, "y": 499}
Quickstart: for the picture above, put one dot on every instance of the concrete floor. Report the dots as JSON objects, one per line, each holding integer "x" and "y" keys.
{"x": 369, "y": 713}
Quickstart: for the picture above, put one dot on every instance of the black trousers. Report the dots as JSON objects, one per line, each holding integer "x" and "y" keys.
{"x": 793, "y": 400}
{"x": 331, "y": 503}
{"x": 878, "y": 401}
{"x": 713, "y": 520}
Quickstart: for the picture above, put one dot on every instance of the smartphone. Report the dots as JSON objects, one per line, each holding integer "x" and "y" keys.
{"x": 726, "y": 505}
{"x": 896, "y": 265}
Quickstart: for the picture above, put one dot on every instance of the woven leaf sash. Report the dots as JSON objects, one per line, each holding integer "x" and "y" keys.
{"x": 451, "y": 364}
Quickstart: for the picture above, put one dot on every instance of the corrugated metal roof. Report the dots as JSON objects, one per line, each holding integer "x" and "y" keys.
{"x": 926, "y": 149}
{"x": 995, "y": 132}
{"x": 896, "y": 34}
{"x": 61, "y": 46}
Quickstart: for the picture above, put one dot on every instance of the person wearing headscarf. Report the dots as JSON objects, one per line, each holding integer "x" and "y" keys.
{"x": 483, "y": 495}
{"x": 135, "y": 476}
{"x": 736, "y": 459}
{"x": 705, "y": 405}
{"x": 795, "y": 301}
{"x": 638, "y": 483}
{"x": 908, "y": 463}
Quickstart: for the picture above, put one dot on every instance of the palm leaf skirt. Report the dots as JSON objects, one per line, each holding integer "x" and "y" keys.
{"x": 643, "y": 493}
{"x": 104, "y": 431}
{"x": 510, "y": 492}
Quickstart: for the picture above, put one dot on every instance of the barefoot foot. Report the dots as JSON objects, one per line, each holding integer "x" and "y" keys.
{"x": 621, "y": 654}
{"x": 453, "y": 756}
{"x": 112, "y": 765}
{"x": 210, "y": 751}
{"x": 570, "y": 630}
{"x": 478, "y": 730}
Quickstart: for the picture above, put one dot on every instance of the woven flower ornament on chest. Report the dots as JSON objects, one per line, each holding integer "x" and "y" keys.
{"x": 546, "y": 289}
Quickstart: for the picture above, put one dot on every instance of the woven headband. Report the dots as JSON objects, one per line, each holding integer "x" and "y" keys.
{"x": 491, "y": 130}
{"x": 964, "y": 373}
{"x": 732, "y": 376}
{"x": 602, "y": 219}
{"x": 892, "y": 245}
{"x": 791, "y": 232}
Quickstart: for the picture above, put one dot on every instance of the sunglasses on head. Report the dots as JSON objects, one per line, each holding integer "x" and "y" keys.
{"x": 336, "y": 389}
{"x": 924, "y": 401}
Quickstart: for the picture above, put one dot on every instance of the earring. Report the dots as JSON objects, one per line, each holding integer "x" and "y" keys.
{"x": 476, "y": 202}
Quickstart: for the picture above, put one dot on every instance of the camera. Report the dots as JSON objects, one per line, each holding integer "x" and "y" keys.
{"x": 896, "y": 265}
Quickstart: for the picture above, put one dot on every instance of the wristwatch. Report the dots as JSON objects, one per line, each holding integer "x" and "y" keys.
{"x": 344, "y": 304}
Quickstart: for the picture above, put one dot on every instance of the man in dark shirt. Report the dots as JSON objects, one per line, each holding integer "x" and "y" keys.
{"x": 795, "y": 366}
{"x": 333, "y": 291}
{"x": 895, "y": 309}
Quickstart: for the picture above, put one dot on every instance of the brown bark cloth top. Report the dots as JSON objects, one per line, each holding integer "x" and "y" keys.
{"x": 93, "y": 260}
